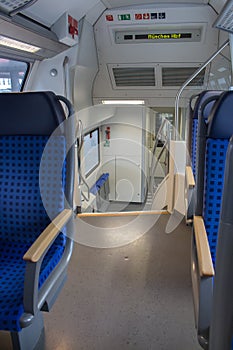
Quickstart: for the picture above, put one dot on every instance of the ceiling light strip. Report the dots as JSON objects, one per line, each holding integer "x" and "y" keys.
{"x": 123, "y": 102}
{"x": 19, "y": 45}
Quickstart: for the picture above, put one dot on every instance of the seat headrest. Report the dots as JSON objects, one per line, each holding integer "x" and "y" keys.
{"x": 203, "y": 96}
{"x": 220, "y": 122}
{"x": 30, "y": 113}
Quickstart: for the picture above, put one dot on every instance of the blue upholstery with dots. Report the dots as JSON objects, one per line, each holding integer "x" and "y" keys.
{"x": 22, "y": 213}
{"x": 202, "y": 99}
{"x": 213, "y": 143}
{"x": 214, "y": 176}
{"x": 194, "y": 146}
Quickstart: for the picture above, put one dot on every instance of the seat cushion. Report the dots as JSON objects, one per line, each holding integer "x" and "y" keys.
{"x": 213, "y": 188}
{"x": 32, "y": 180}
{"x": 194, "y": 146}
{"x": 12, "y": 270}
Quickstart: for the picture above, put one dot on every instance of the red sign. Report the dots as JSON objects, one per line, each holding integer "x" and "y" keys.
{"x": 146, "y": 16}
{"x": 138, "y": 16}
{"x": 73, "y": 26}
{"x": 109, "y": 18}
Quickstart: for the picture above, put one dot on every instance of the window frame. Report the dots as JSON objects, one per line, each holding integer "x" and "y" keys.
{"x": 89, "y": 172}
{"x": 28, "y": 66}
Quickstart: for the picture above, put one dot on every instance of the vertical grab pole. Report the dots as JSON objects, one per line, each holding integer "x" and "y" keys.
{"x": 231, "y": 52}
{"x": 175, "y": 132}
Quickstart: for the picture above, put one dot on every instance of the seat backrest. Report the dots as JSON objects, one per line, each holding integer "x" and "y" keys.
{"x": 23, "y": 138}
{"x": 208, "y": 96}
{"x": 222, "y": 312}
{"x": 210, "y": 179}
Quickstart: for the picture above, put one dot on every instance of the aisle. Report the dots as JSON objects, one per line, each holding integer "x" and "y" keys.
{"x": 133, "y": 297}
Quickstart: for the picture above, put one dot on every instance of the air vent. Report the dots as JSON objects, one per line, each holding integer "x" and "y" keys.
{"x": 225, "y": 19}
{"x": 11, "y": 7}
{"x": 177, "y": 76}
{"x": 134, "y": 76}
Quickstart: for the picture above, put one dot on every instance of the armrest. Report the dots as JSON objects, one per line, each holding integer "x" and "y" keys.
{"x": 38, "y": 248}
{"x": 189, "y": 177}
{"x": 206, "y": 268}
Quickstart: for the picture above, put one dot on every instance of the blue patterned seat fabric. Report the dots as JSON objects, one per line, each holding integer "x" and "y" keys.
{"x": 194, "y": 146}
{"x": 202, "y": 99}
{"x": 214, "y": 178}
{"x": 23, "y": 216}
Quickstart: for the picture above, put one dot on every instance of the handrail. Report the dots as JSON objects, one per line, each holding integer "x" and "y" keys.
{"x": 66, "y": 77}
{"x": 82, "y": 180}
{"x": 188, "y": 81}
{"x": 156, "y": 144}
{"x": 155, "y": 161}
{"x": 158, "y": 134}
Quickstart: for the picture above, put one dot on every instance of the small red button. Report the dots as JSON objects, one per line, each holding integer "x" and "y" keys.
{"x": 146, "y": 16}
{"x": 109, "y": 18}
{"x": 138, "y": 16}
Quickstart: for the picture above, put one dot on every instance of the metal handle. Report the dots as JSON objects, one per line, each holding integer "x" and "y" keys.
{"x": 80, "y": 146}
{"x": 189, "y": 81}
{"x": 155, "y": 161}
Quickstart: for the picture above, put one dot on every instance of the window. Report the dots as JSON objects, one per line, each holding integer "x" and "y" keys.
{"x": 91, "y": 151}
{"x": 12, "y": 75}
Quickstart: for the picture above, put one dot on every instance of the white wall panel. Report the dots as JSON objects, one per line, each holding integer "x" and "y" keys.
{"x": 41, "y": 79}
{"x": 128, "y": 179}
{"x": 109, "y": 166}
{"x": 174, "y": 54}
{"x": 85, "y": 70}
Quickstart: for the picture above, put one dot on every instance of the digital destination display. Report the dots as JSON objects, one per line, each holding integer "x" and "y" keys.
{"x": 151, "y": 36}
{"x": 163, "y": 36}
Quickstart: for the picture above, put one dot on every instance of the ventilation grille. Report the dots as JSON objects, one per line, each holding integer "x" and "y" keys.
{"x": 11, "y": 7}
{"x": 225, "y": 19}
{"x": 134, "y": 76}
{"x": 177, "y": 76}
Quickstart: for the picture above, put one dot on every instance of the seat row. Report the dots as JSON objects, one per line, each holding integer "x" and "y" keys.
{"x": 210, "y": 209}
{"x": 36, "y": 210}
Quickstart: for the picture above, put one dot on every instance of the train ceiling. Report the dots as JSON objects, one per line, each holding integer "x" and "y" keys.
{"x": 47, "y": 12}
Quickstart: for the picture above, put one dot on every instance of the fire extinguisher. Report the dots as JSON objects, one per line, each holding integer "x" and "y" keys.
{"x": 107, "y": 133}
{"x": 107, "y": 137}
{"x": 73, "y": 26}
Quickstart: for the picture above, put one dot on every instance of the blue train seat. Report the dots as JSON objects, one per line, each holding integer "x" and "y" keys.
{"x": 213, "y": 140}
{"x": 100, "y": 190}
{"x": 221, "y": 328}
{"x": 99, "y": 183}
{"x": 36, "y": 210}
{"x": 202, "y": 107}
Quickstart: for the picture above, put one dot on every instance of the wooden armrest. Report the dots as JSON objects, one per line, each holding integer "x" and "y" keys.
{"x": 203, "y": 250}
{"x": 35, "y": 252}
{"x": 189, "y": 177}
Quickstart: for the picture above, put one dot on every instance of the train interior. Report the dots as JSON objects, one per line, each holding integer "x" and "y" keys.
{"x": 132, "y": 102}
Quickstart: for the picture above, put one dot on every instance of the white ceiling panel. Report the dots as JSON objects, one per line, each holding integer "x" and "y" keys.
{"x": 48, "y": 11}
{"x": 120, "y": 3}
{"x": 217, "y": 4}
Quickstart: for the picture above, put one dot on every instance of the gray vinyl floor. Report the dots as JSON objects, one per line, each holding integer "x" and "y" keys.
{"x": 134, "y": 297}
{"x": 137, "y": 296}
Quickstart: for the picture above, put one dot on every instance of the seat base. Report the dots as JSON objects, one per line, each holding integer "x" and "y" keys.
{"x": 202, "y": 298}
{"x": 28, "y": 338}
{"x": 204, "y": 341}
